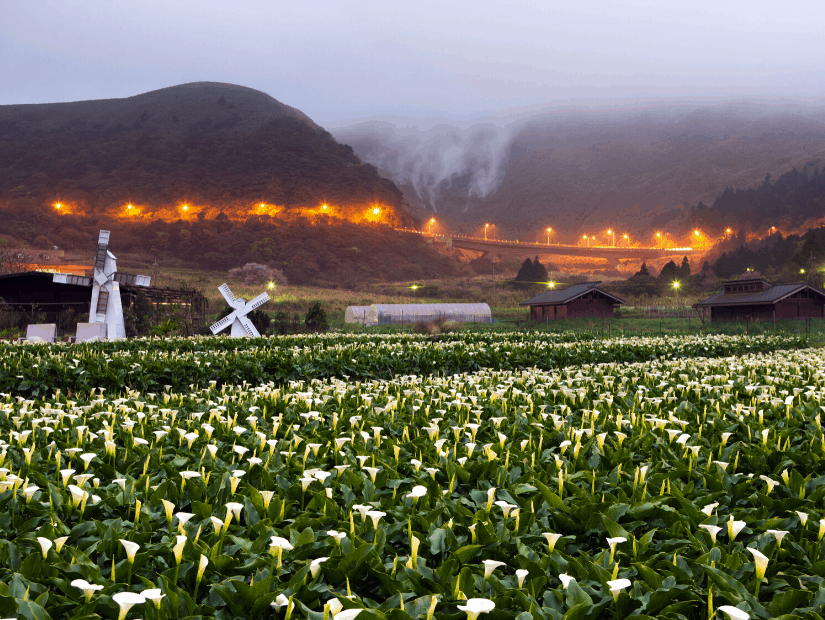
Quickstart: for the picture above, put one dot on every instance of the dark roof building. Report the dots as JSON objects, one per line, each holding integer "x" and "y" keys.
{"x": 577, "y": 300}
{"x": 759, "y": 300}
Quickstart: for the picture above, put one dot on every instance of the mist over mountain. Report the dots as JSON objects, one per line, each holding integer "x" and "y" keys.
{"x": 219, "y": 147}
{"x": 581, "y": 169}
{"x": 431, "y": 163}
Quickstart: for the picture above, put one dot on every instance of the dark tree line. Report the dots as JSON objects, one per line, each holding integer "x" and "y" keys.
{"x": 796, "y": 197}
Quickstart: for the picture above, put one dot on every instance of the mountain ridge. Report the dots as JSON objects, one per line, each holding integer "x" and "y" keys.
{"x": 580, "y": 170}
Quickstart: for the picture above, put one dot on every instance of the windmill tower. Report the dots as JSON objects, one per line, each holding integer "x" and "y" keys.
{"x": 105, "y": 306}
{"x": 241, "y": 325}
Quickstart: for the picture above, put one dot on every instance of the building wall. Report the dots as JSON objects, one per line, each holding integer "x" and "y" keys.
{"x": 800, "y": 306}
{"x": 548, "y": 312}
{"x": 600, "y": 307}
{"x": 742, "y": 313}
{"x": 795, "y": 307}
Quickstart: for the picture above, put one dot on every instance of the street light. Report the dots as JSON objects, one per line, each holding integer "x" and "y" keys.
{"x": 611, "y": 232}
{"x": 551, "y": 285}
{"x": 695, "y": 233}
{"x": 485, "y": 231}
{"x": 676, "y": 285}
{"x": 186, "y": 207}
{"x": 57, "y": 205}
{"x": 626, "y": 238}
{"x": 430, "y": 224}
{"x": 588, "y": 240}
{"x": 549, "y": 230}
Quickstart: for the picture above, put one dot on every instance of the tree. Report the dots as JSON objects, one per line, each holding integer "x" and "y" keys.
{"x": 684, "y": 270}
{"x": 532, "y": 271}
{"x": 525, "y": 274}
{"x": 669, "y": 272}
{"x": 316, "y": 318}
{"x": 643, "y": 271}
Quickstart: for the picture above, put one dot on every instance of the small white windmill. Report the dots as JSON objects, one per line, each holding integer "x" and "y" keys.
{"x": 241, "y": 326}
{"x": 105, "y": 306}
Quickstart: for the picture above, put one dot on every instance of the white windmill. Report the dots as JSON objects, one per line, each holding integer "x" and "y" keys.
{"x": 241, "y": 325}
{"x": 105, "y": 306}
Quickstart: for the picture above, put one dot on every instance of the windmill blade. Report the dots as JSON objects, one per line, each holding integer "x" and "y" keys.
{"x": 257, "y": 302}
{"x": 224, "y": 322}
{"x": 249, "y": 327}
{"x": 228, "y": 295}
{"x": 102, "y": 250}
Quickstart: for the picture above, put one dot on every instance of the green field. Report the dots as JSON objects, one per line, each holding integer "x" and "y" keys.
{"x": 552, "y": 475}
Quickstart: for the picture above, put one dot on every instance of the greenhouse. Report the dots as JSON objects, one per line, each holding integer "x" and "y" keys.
{"x": 405, "y": 314}
{"x": 356, "y": 314}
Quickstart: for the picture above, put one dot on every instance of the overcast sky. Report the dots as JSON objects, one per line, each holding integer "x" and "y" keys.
{"x": 338, "y": 60}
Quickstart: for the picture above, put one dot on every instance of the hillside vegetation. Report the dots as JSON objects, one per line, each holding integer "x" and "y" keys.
{"x": 218, "y": 147}
{"x": 577, "y": 170}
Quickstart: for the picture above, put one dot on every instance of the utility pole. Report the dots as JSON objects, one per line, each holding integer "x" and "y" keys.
{"x": 493, "y": 267}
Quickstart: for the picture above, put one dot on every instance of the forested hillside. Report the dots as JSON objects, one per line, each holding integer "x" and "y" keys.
{"x": 218, "y": 147}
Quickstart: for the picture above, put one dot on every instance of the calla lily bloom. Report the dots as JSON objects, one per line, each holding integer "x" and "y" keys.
{"x": 565, "y": 580}
{"x": 131, "y": 549}
{"x": 617, "y": 585}
{"x": 734, "y": 613}
{"x": 88, "y": 588}
{"x": 417, "y": 492}
{"x": 347, "y": 614}
{"x": 375, "y": 515}
{"x": 713, "y": 530}
{"x": 45, "y": 545}
{"x": 127, "y": 600}
{"x": 734, "y": 527}
{"x": 490, "y": 566}
{"x": 552, "y": 539}
{"x": 520, "y": 575}
{"x": 760, "y": 561}
{"x": 153, "y": 594}
{"x": 476, "y": 607}
{"x": 280, "y": 601}
{"x": 315, "y": 565}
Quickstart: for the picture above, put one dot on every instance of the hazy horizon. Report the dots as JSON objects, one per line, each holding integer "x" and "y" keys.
{"x": 457, "y": 61}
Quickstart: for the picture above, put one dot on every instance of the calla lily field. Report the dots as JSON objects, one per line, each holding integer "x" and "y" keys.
{"x": 400, "y": 477}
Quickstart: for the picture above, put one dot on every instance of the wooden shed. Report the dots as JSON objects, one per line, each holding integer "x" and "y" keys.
{"x": 758, "y": 300}
{"x": 577, "y": 300}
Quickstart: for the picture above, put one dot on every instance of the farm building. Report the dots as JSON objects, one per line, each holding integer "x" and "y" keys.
{"x": 405, "y": 314}
{"x": 577, "y": 300}
{"x": 758, "y": 300}
{"x": 36, "y": 291}
{"x": 356, "y": 314}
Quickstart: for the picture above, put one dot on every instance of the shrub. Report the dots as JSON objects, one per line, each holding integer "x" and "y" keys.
{"x": 316, "y": 318}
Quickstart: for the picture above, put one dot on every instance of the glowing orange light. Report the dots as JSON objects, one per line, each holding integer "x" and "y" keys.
{"x": 376, "y": 211}
{"x": 585, "y": 237}
{"x": 727, "y": 230}
{"x": 432, "y": 220}
{"x": 625, "y": 236}
{"x": 129, "y": 206}
{"x": 263, "y": 205}
{"x": 696, "y": 233}
{"x": 186, "y": 207}
{"x": 58, "y": 205}
{"x": 324, "y": 207}
{"x": 549, "y": 230}
{"x": 658, "y": 234}
{"x": 609, "y": 232}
